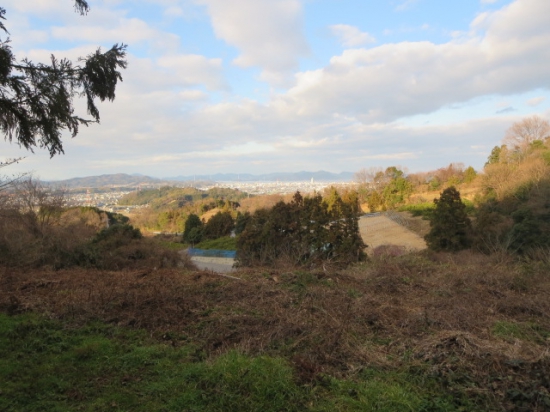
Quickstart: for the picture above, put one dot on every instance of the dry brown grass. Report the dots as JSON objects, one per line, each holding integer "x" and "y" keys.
{"x": 380, "y": 230}
{"x": 435, "y": 311}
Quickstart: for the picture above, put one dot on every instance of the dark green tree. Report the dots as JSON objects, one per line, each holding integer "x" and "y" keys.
{"x": 219, "y": 225}
{"x": 36, "y": 99}
{"x": 193, "y": 229}
{"x": 450, "y": 225}
{"x": 241, "y": 222}
{"x": 344, "y": 239}
{"x": 304, "y": 231}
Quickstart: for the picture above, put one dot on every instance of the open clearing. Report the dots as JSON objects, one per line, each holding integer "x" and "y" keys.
{"x": 380, "y": 230}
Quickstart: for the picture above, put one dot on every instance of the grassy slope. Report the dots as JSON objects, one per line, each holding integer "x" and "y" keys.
{"x": 46, "y": 366}
{"x": 418, "y": 332}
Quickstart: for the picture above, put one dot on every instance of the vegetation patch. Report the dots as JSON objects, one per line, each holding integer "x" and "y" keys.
{"x": 222, "y": 243}
{"x": 423, "y": 331}
{"x": 527, "y": 331}
{"x": 46, "y": 365}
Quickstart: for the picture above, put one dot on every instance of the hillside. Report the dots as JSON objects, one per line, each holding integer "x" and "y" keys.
{"x": 432, "y": 332}
{"x": 119, "y": 179}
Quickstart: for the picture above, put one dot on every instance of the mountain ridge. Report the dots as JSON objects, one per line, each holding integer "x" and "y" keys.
{"x": 120, "y": 179}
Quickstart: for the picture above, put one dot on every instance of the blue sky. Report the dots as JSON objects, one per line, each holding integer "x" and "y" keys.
{"x": 259, "y": 86}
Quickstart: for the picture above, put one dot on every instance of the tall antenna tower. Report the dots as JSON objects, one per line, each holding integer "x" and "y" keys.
{"x": 88, "y": 197}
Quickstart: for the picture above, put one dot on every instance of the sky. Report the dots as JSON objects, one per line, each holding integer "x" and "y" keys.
{"x": 262, "y": 86}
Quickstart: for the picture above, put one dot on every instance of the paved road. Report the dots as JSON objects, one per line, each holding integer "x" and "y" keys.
{"x": 219, "y": 265}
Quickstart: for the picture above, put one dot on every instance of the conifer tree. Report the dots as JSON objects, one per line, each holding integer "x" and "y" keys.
{"x": 450, "y": 225}
{"x": 193, "y": 229}
{"x": 219, "y": 225}
{"x": 304, "y": 231}
{"x": 36, "y": 99}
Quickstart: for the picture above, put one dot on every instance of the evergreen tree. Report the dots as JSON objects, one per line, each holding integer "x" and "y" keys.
{"x": 450, "y": 225}
{"x": 304, "y": 231}
{"x": 193, "y": 229}
{"x": 219, "y": 225}
{"x": 241, "y": 222}
{"x": 36, "y": 100}
{"x": 469, "y": 175}
{"x": 494, "y": 157}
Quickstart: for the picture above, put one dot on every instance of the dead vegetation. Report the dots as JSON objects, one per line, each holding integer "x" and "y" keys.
{"x": 480, "y": 324}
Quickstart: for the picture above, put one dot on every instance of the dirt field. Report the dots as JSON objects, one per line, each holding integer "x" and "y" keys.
{"x": 380, "y": 230}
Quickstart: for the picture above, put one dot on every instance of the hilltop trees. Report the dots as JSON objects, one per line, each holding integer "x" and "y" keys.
{"x": 450, "y": 225}
{"x": 516, "y": 181}
{"x": 37, "y": 100}
{"x": 383, "y": 189}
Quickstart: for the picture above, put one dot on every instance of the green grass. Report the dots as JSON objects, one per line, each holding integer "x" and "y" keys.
{"x": 527, "y": 331}
{"x": 172, "y": 245}
{"x": 47, "y": 366}
{"x": 426, "y": 209}
{"x": 419, "y": 209}
{"x": 222, "y": 243}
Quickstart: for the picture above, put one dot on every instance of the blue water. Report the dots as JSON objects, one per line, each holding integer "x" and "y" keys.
{"x": 212, "y": 253}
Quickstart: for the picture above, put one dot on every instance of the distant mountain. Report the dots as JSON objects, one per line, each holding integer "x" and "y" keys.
{"x": 119, "y": 179}
{"x": 320, "y": 176}
{"x": 122, "y": 179}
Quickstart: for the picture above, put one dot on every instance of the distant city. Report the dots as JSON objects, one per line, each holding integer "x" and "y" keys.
{"x": 107, "y": 195}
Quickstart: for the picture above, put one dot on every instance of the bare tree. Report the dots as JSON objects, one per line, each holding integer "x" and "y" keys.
{"x": 366, "y": 176}
{"x": 35, "y": 204}
{"x": 7, "y": 181}
{"x": 526, "y": 131}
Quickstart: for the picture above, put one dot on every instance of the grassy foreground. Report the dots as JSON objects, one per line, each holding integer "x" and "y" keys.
{"x": 46, "y": 366}
{"x": 421, "y": 332}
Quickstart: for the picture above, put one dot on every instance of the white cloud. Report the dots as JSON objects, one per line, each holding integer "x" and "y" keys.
{"x": 268, "y": 33}
{"x": 394, "y": 80}
{"x": 535, "y": 101}
{"x": 194, "y": 69}
{"x": 405, "y": 5}
{"x": 349, "y": 114}
{"x": 351, "y": 36}
{"x": 130, "y": 31}
{"x": 49, "y": 7}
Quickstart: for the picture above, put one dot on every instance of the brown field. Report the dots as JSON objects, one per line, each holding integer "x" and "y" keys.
{"x": 380, "y": 230}
{"x": 481, "y": 323}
